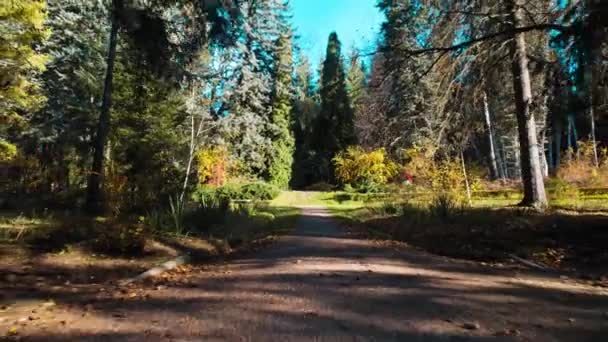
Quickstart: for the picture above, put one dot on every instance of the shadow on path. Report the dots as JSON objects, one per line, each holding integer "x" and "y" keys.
{"x": 319, "y": 284}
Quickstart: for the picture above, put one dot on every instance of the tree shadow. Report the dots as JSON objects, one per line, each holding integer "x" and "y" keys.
{"x": 574, "y": 243}
{"x": 319, "y": 285}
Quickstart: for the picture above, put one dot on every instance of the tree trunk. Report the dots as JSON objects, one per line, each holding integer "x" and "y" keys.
{"x": 503, "y": 159}
{"x": 486, "y": 111}
{"x": 550, "y": 160}
{"x": 557, "y": 139}
{"x": 190, "y": 160}
{"x": 572, "y": 133}
{"x": 95, "y": 195}
{"x": 534, "y": 187}
{"x": 596, "y": 161}
{"x": 466, "y": 179}
{"x": 594, "y": 70}
{"x": 543, "y": 154}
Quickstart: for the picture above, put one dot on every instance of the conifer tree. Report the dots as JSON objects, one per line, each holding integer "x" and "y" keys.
{"x": 355, "y": 79}
{"x": 334, "y": 129}
{"x": 281, "y": 157}
{"x": 249, "y": 104}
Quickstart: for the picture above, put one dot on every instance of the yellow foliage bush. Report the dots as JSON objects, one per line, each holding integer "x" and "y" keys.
{"x": 443, "y": 177}
{"x": 212, "y": 166}
{"x": 8, "y": 151}
{"x": 579, "y": 169}
{"x": 357, "y": 167}
{"x": 419, "y": 164}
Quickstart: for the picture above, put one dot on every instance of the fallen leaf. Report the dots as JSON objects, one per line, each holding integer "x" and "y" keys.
{"x": 12, "y": 331}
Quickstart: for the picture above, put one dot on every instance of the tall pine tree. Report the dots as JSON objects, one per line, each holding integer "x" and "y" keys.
{"x": 335, "y": 125}
{"x": 281, "y": 156}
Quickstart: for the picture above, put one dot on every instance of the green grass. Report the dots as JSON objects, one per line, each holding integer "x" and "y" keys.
{"x": 17, "y": 226}
{"x": 284, "y": 218}
{"x": 372, "y": 207}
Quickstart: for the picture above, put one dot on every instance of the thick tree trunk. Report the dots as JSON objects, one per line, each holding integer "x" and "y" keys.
{"x": 95, "y": 195}
{"x": 534, "y": 187}
{"x": 493, "y": 164}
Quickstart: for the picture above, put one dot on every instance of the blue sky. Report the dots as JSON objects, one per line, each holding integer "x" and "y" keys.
{"x": 357, "y": 23}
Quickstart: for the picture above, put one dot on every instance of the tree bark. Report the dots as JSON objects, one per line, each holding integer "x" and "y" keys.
{"x": 466, "y": 179}
{"x": 95, "y": 194}
{"x": 550, "y": 160}
{"x": 533, "y": 183}
{"x": 594, "y": 9}
{"x": 557, "y": 139}
{"x": 596, "y": 161}
{"x": 493, "y": 164}
{"x": 503, "y": 160}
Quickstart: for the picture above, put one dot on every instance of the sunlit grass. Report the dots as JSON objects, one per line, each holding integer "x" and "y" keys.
{"x": 359, "y": 209}
{"x": 16, "y": 226}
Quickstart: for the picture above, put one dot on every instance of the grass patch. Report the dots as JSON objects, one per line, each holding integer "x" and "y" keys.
{"x": 562, "y": 239}
{"x": 571, "y": 235}
{"x": 64, "y": 249}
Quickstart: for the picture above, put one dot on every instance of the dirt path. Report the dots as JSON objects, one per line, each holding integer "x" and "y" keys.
{"x": 318, "y": 284}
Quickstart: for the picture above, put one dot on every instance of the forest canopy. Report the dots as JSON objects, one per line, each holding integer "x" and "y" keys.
{"x": 119, "y": 105}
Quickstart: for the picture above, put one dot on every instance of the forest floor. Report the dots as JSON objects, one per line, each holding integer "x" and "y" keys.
{"x": 321, "y": 283}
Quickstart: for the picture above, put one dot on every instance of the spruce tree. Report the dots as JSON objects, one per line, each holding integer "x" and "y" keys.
{"x": 305, "y": 111}
{"x": 249, "y": 104}
{"x": 355, "y": 79}
{"x": 335, "y": 124}
{"x": 281, "y": 156}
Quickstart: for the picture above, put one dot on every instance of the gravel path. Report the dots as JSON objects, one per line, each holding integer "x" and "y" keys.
{"x": 319, "y": 284}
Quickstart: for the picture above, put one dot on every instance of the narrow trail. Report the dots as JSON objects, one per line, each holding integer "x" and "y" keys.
{"x": 320, "y": 284}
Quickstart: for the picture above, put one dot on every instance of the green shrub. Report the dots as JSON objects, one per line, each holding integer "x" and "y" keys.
{"x": 119, "y": 237}
{"x": 444, "y": 205}
{"x": 369, "y": 187}
{"x": 209, "y": 196}
{"x": 217, "y": 202}
{"x": 214, "y": 204}
{"x": 259, "y": 191}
